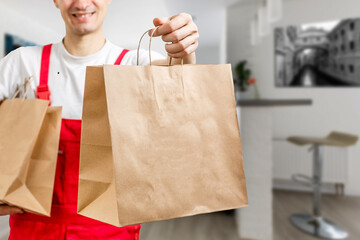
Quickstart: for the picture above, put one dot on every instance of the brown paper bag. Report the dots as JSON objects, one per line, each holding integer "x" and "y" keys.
{"x": 158, "y": 143}
{"x": 29, "y": 139}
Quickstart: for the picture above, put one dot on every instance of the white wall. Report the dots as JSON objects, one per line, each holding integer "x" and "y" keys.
{"x": 40, "y": 22}
{"x": 14, "y": 22}
{"x": 124, "y": 24}
{"x": 210, "y": 17}
{"x": 4, "y": 227}
{"x": 210, "y": 52}
{"x": 126, "y": 21}
{"x": 332, "y": 109}
{"x": 208, "y": 55}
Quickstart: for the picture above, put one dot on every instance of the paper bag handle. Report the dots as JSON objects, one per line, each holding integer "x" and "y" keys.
{"x": 27, "y": 86}
{"x": 151, "y": 37}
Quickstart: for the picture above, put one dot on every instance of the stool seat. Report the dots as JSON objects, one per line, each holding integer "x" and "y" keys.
{"x": 337, "y": 139}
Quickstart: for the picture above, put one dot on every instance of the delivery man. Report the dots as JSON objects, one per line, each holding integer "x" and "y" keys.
{"x": 59, "y": 70}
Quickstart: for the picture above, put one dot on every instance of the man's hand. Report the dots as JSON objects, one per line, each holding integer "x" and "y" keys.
{"x": 181, "y": 33}
{"x": 8, "y": 210}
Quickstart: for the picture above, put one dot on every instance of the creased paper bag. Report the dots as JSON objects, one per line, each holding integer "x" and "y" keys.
{"x": 29, "y": 139}
{"x": 159, "y": 142}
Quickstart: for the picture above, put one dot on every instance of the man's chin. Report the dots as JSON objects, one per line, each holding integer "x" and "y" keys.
{"x": 84, "y": 31}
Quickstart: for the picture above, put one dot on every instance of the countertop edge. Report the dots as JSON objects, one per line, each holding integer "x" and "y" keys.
{"x": 273, "y": 102}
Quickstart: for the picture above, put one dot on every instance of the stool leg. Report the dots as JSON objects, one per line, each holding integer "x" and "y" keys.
{"x": 315, "y": 224}
{"x": 317, "y": 178}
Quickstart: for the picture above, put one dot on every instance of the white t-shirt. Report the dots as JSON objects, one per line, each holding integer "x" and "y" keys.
{"x": 66, "y": 72}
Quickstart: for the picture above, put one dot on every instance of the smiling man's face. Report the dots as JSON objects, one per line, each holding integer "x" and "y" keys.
{"x": 83, "y": 16}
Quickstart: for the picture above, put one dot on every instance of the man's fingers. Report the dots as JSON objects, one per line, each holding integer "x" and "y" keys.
{"x": 157, "y": 22}
{"x": 180, "y": 34}
{"x": 8, "y": 210}
{"x": 160, "y": 21}
{"x": 174, "y": 24}
{"x": 181, "y": 31}
{"x": 182, "y": 45}
{"x": 186, "y": 52}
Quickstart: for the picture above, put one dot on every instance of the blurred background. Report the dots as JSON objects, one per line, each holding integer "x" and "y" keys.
{"x": 269, "y": 44}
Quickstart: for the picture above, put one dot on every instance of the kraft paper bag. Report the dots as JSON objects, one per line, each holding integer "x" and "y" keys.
{"x": 29, "y": 139}
{"x": 158, "y": 143}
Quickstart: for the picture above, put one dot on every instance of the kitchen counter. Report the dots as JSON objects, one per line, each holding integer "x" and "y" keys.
{"x": 256, "y": 129}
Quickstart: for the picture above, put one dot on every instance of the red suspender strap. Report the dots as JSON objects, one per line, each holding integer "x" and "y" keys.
{"x": 42, "y": 91}
{"x": 121, "y": 56}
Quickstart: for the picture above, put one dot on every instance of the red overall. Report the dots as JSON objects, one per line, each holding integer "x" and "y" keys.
{"x": 64, "y": 222}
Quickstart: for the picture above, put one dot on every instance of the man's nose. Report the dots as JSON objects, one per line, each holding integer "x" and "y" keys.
{"x": 82, "y": 4}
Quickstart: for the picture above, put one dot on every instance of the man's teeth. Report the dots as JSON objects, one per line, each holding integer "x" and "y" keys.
{"x": 82, "y": 15}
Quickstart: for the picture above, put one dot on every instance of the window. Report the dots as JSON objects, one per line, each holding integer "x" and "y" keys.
{"x": 351, "y": 68}
{"x": 342, "y": 68}
{"x": 352, "y": 45}
{"x": 305, "y": 40}
{"x": 343, "y": 47}
{"x": 352, "y": 26}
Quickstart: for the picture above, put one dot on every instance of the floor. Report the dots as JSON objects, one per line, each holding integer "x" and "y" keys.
{"x": 201, "y": 227}
{"x": 4, "y": 227}
{"x": 345, "y": 211}
{"x": 219, "y": 226}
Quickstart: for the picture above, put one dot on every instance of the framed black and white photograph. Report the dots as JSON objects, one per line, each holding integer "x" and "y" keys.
{"x": 324, "y": 54}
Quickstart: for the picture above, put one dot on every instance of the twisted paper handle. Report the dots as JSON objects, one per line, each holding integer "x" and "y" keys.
{"x": 27, "y": 86}
{"x": 151, "y": 37}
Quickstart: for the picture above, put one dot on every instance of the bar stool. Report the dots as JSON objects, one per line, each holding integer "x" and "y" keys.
{"x": 315, "y": 224}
